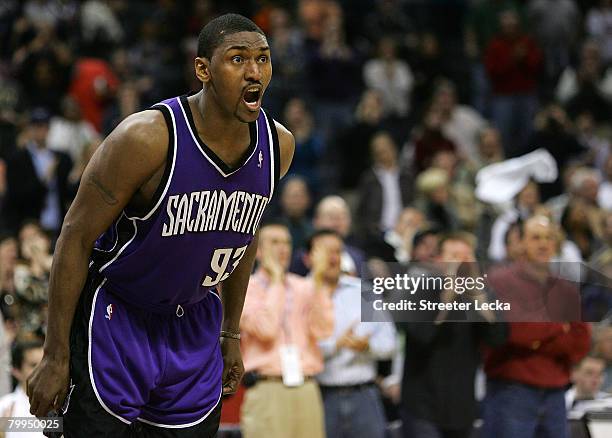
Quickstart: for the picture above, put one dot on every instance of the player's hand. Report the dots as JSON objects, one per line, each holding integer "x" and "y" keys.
{"x": 48, "y": 385}
{"x": 233, "y": 369}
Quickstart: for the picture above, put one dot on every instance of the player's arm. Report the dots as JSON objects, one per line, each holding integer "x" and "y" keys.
{"x": 126, "y": 160}
{"x": 235, "y": 287}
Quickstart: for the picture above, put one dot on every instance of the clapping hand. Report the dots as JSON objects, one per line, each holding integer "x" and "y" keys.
{"x": 353, "y": 342}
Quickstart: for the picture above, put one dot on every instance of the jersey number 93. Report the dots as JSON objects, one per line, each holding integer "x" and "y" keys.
{"x": 221, "y": 261}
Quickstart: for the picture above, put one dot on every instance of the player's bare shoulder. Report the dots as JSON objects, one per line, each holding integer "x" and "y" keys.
{"x": 142, "y": 138}
{"x": 287, "y": 147}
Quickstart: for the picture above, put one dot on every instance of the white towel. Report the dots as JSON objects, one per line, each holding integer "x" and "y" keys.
{"x": 501, "y": 182}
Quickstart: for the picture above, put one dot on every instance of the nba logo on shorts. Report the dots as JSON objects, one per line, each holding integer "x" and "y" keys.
{"x": 109, "y": 312}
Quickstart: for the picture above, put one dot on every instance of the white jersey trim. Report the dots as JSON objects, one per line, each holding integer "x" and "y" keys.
{"x": 163, "y": 194}
{"x": 271, "y": 152}
{"x": 197, "y": 143}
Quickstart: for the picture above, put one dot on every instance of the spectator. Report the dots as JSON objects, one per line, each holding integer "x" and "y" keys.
{"x": 99, "y": 24}
{"x": 388, "y": 18}
{"x": 26, "y": 357}
{"x": 429, "y": 139}
{"x": 513, "y": 62}
{"x": 513, "y": 242}
{"x": 32, "y": 275}
{"x": 333, "y": 213}
{"x": 460, "y": 123}
{"x": 126, "y": 102}
{"x": 69, "y": 133}
{"x": 43, "y": 67}
{"x": 396, "y": 245}
{"x": 295, "y": 203}
{"x": 481, "y": 25}
{"x": 353, "y": 406}
{"x": 334, "y": 68}
{"x": 384, "y": 189}
{"x": 284, "y": 316}
{"x": 391, "y": 77}
{"x": 287, "y": 43}
{"x": 425, "y": 245}
{"x": 461, "y": 192}
{"x": 596, "y": 143}
{"x": 597, "y": 26}
{"x": 309, "y": 143}
{"x": 577, "y": 227}
{"x": 556, "y": 299}
{"x": 428, "y": 68}
{"x": 596, "y": 300}
{"x": 93, "y": 85}
{"x": 11, "y": 106}
{"x": 441, "y": 360}
{"x": 528, "y": 375}
{"x": 605, "y": 249}
{"x": 433, "y": 198}
{"x": 587, "y": 87}
{"x": 555, "y": 33}
{"x": 37, "y": 179}
{"x": 6, "y": 339}
{"x": 48, "y": 13}
{"x": 602, "y": 346}
{"x": 581, "y": 183}
{"x": 553, "y": 132}
{"x": 76, "y": 173}
{"x": 354, "y": 141}
{"x": 8, "y": 261}
{"x": 587, "y": 379}
{"x": 490, "y": 149}
{"x": 604, "y": 196}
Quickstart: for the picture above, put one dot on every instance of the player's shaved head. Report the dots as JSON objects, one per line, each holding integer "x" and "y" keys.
{"x": 212, "y": 35}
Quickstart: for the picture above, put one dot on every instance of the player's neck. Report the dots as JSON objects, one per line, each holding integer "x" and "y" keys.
{"x": 224, "y": 130}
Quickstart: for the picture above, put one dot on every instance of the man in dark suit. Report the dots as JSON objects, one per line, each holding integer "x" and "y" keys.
{"x": 385, "y": 189}
{"x": 37, "y": 179}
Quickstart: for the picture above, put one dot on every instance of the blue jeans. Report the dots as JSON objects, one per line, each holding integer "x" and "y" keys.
{"x": 513, "y": 410}
{"x": 513, "y": 115}
{"x": 354, "y": 413}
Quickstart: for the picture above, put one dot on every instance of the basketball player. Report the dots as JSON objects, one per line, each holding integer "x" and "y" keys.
{"x": 165, "y": 216}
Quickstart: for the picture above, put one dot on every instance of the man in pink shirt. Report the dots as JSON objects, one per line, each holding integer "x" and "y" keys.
{"x": 284, "y": 317}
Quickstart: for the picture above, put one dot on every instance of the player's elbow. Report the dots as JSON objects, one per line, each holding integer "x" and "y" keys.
{"x": 74, "y": 233}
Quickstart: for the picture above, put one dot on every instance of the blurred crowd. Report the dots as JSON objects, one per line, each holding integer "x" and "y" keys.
{"x": 396, "y": 106}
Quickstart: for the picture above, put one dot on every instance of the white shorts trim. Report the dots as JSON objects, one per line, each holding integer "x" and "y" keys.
{"x": 91, "y": 377}
{"x": 182, "y": 426}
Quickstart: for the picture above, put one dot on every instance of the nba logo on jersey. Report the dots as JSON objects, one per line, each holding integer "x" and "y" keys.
{"x": 260, "y": 159}
{"x": 109, "y": 312}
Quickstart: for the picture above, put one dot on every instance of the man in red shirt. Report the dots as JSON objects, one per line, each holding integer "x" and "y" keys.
{"x": 513, "y": 62}
{"x": 528, "y": 375}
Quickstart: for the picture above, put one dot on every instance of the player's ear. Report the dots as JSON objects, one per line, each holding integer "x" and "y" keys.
{"x": 202, "y": 69}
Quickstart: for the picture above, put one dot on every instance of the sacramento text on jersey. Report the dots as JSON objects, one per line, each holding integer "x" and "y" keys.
{"x": 239, "y": 212}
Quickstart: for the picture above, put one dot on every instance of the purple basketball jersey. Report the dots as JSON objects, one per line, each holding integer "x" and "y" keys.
{"x": 201, "y": 221}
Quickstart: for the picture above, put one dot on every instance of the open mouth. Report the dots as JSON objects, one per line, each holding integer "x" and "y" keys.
{"x": 251, "y": 97}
